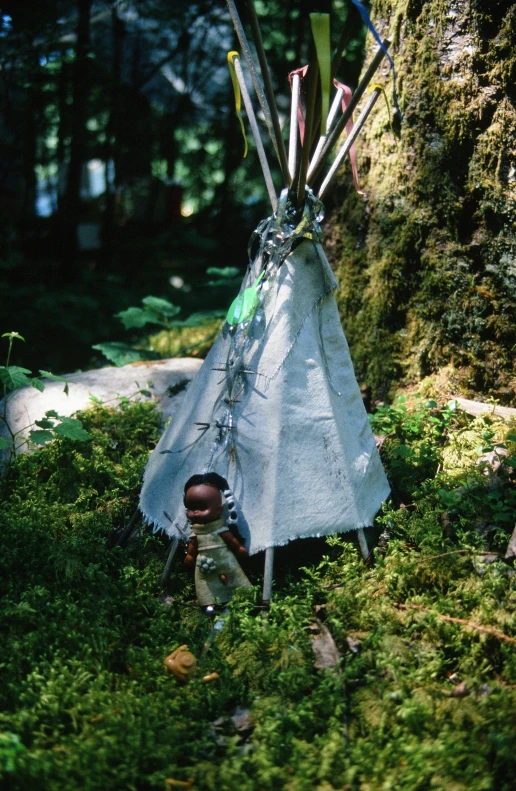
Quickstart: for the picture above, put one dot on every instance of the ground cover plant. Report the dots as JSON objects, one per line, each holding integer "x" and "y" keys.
{"x": 423, "y": 695}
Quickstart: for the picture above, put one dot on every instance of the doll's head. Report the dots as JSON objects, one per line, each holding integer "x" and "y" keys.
{"x": 205, "y": 496}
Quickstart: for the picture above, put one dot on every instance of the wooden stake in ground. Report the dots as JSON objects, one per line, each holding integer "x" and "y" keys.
{"x": 268, "y": 574}
{"x": 174, "y": 545}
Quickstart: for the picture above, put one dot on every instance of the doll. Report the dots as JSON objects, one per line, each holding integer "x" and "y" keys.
{"x": 213, "y": 550}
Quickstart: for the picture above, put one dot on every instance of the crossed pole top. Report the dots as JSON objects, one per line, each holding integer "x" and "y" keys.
{"x": 309, "y": 151}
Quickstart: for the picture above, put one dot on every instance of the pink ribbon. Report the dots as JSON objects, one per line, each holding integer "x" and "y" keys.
{"x": 346, "y": 98}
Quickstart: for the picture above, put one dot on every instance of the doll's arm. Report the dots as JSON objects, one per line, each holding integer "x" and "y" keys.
{"x": 191, "y": 553}
{"x": 234, "y": 544}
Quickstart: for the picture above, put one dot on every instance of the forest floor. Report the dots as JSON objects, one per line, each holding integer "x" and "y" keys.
{"x": 399, "y": 674}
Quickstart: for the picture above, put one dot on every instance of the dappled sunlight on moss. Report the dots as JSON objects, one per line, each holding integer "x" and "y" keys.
{"x": 417, "y": 700}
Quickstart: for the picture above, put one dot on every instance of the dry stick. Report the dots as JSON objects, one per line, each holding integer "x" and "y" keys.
{"x": 269, "y": 91}
{"x": 346, "y": 115}
{"x": 239, "y": 30}
{"x": 457, "y": 552}
{"x": 294, "y": 107}
{"x": 313, "y": 79}
{"x": 461, "y": 621}
{"x": 349, "y": 141}
{"x": 322, "y": 140}
{"x": 256, "y": 134}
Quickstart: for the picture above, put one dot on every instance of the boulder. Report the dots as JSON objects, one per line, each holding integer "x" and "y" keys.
{"x": 163, "y": 381}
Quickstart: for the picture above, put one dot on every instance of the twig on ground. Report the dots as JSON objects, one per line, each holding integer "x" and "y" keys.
{"x": 461, "y": 621}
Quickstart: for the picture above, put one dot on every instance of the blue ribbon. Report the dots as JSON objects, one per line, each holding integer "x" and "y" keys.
{"x": 364, "y": 13}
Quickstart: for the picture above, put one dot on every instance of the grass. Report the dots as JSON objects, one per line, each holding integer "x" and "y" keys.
{"x": 418, "y": 700}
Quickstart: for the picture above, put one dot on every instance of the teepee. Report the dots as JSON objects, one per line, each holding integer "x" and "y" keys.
{"x": 275, "y": 408}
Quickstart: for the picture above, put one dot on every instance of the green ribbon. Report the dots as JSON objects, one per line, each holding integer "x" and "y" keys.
{"x": 321, "y": 33}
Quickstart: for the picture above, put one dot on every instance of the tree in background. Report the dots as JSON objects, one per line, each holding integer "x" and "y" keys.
{"x": 427, "y": 260}
{"x": 122, "y": 155}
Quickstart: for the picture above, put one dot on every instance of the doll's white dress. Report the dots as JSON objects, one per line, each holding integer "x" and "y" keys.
{"x": 209, "y": 587}
{"x": 283, "y": 420}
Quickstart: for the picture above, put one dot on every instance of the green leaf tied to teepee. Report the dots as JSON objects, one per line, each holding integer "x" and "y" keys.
{"x": 321, "y": 33}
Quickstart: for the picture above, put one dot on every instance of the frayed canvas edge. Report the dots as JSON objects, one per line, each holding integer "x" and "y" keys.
{"x": 173, "y": 532}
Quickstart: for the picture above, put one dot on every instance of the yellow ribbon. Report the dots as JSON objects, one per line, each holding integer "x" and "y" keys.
{"x": 378, "y": 87}
{"x": 321, "y": 33}
{"x": 236, "y": 88}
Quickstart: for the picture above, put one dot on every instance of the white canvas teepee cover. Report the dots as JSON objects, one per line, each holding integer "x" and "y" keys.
{"x": 289, "y": 432}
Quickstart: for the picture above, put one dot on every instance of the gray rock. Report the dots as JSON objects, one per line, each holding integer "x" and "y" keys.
{"x": 510, "y": 555}
{"x": 164, "y": 382}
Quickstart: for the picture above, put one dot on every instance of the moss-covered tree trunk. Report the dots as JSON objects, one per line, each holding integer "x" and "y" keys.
{"x": 427, "y": 260}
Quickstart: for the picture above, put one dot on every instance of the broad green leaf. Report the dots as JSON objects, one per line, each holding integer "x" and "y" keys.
{"x": 55, "y": 378}
{"x": 95, "y": 400}
{"x": 122, "y": 353}
{"x": 71, "y": 428}
{"x": 163, "y": 306}
{"x": 202, "y": 317}
{"x": 14, "y": 376}
{"x": 232, "y": 284}
{"x": 227, "y": 272}
{"x": 37, "y": 384}
{"x": 52, "y": 413}
{"x": 38, "y": 437}
{"x": 4, "y": 443}
{"x": 137, "y": 317}
{"x": 13, "y": 335}
{"x": 403, "y": 452}
{"x": 44, "y": 423}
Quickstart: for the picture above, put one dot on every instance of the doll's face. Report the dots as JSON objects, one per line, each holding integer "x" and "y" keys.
{"x": 203, "y": 504}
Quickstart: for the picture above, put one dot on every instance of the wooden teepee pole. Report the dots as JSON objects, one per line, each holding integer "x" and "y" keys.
{"x": 256, "y": 134}
{"x": 349, "y": 141}
{"x": 269, "y": 91}
{"x": 322, "y": 140}
{"x": 313, "y": 79}
{"x": 255, "y": 77}
{"x": 292, "y": 148}
{"x": 341, "y": 123}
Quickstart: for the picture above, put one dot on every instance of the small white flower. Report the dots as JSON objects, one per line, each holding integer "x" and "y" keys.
{"x": 206, "y": 565}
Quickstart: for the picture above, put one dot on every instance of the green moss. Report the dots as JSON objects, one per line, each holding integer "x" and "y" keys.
{"x": 86, "y": 704}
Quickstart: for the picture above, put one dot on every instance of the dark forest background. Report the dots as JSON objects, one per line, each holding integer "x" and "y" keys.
{"x": 121, "y": 169}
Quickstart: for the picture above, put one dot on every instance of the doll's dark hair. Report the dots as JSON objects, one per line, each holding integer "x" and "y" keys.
{"x": 208, "y": 479}
{"x": 220, "y": 483}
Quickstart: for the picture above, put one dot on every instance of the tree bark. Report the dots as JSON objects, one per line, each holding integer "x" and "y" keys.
{"x": 427, "y": 260}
